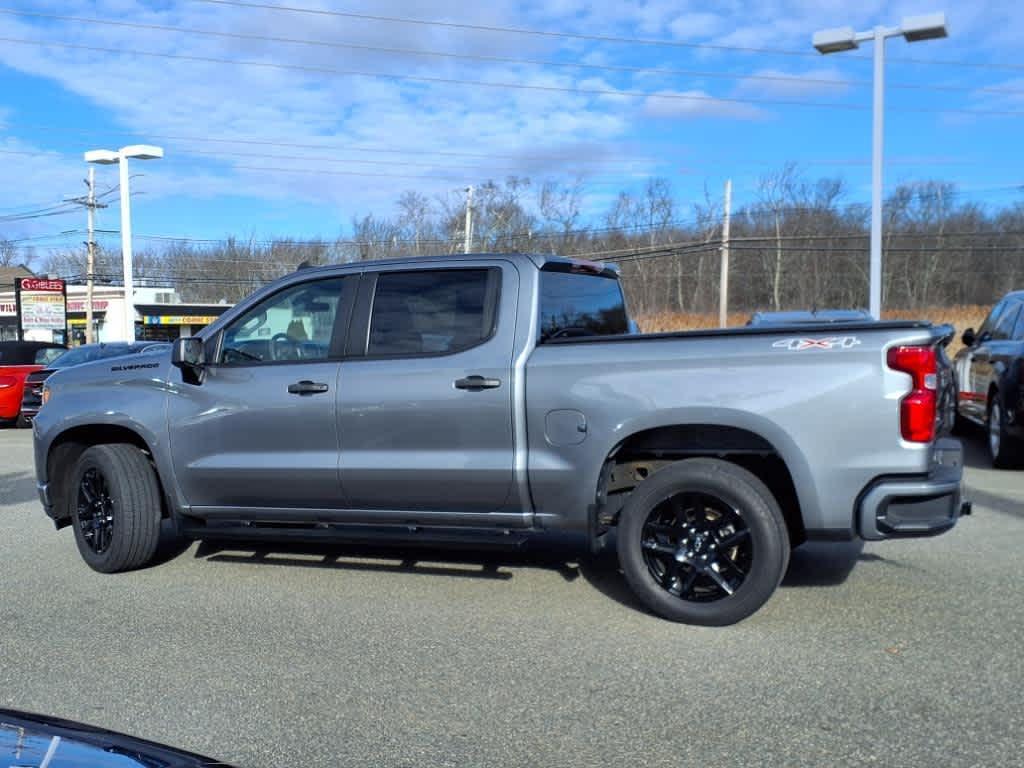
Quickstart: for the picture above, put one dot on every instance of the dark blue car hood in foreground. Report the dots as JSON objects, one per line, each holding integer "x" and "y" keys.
{"x": 27, "y": 739}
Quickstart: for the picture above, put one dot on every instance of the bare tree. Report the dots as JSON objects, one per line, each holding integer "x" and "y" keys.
{"x": 560, "y": 206}
{"x": 8, "y": 253}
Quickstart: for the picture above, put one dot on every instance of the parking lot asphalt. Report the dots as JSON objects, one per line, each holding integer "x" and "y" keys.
{"x": 906, "y": 653}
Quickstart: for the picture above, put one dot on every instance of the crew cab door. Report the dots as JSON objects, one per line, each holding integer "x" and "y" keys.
{"x": 257, "y": 437}
{"x": 425, "y": 394}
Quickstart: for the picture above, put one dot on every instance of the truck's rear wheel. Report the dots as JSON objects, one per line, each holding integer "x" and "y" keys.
{"x": 703, "y": 541}
{"x": 115, "y": 507}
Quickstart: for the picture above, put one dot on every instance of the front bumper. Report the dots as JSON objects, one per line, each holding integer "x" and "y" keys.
{"x": 906, "y": 507}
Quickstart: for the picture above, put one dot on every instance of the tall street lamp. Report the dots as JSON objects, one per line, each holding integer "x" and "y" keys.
{"x": 108, "y": 157}
{"x": 913, "y": 29}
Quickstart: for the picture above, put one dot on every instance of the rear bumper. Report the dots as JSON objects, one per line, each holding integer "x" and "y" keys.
{"x": 907, "y": 507}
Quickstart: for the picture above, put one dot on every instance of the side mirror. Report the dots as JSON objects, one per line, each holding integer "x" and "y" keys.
{"x": 968, "y": 337}
{"x": 188, "y": 353}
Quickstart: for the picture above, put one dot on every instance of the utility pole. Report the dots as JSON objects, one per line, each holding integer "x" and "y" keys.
{"x": 90, "y": 268}
{"x": 723, "y": 281}
{"x": 467, "y": 241}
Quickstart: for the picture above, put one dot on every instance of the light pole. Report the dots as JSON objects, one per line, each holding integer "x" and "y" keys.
{"x": 913, "y": 29}
{"x": 120, "y": 157}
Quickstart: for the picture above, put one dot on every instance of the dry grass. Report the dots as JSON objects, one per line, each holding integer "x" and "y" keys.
{"x": 960, "y": 317}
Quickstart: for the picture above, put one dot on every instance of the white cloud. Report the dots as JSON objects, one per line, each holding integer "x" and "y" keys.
{"x": 699, "y": 24}
{"x": 696, "y": 104}
{"x": 778, "y": 83}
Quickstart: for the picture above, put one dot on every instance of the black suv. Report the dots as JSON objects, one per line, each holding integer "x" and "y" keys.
{"x": 989, "y": 379}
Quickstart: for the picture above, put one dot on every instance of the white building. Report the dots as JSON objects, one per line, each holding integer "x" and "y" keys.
{"x": 159, "y": 314}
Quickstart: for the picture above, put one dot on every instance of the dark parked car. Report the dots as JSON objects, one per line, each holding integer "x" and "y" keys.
{"x": 28, "y": 739}
{"x": 31, "y": 397}
{"x": 802, "y": 316}
{"x": 17, "y": 360}
{"x": 989, "y": 379}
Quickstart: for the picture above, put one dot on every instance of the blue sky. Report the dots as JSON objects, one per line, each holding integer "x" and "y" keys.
{"x": 230, "y": 130}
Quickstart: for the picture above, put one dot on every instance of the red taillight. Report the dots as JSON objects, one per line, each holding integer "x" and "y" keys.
{"x": 917, "y": 409}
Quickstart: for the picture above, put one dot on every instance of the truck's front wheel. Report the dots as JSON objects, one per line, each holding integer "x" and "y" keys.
{"x": 703, "y": 541}
{"x": 115, "y": 507}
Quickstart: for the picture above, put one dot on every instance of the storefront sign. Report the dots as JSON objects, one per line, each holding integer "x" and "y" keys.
{"x": 179, "y": 319}
{"x": 78, "y": 305}
{"x": 41, "y": 305}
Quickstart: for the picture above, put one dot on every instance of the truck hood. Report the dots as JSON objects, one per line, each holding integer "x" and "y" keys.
{"x": 113, "y": 371}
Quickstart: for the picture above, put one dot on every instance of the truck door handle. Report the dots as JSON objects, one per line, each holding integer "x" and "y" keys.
{"x": 477, "y": 382}
{"x": 306, "y": 387}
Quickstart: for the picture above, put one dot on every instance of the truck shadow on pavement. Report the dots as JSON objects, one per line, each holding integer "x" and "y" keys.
{"x": 17, "y": 488}
{"x": 812, "y": 565}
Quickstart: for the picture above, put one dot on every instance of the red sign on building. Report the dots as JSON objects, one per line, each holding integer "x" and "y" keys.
{"x": 41, "y": 284}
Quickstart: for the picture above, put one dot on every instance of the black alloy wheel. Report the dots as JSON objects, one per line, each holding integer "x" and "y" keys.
{"x": 95, "y": 511}
{"x": 697, "y": 546}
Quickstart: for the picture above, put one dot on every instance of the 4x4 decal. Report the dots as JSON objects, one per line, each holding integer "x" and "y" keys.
{"x": 830, "y": 342}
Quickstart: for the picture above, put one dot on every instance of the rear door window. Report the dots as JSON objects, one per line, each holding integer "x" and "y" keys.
{"x": 577, "y": 303}
{"x": 432, "y": 311}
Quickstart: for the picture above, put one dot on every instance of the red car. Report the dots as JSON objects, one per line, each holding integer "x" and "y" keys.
{"x": 17, "y": 360}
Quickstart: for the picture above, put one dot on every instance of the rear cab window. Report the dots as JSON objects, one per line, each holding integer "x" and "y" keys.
{"x": 579, "y": 300}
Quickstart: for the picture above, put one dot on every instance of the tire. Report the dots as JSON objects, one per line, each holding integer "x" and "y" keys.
{"x": 685, "y": 511}
{"x": 1004, "y": 450}
{"x": 123, "y": 486}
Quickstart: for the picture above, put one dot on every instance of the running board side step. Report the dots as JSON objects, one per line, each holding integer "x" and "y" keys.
{"x": 448, "y": 536}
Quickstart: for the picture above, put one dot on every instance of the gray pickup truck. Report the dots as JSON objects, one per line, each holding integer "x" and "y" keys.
{"x": 486, "y": 399}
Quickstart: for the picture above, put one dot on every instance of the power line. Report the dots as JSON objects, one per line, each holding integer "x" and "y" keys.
{"x": 262, "y": 142}
{"x": 549, "y": 158}
{"x": 700, "y": 98}
{"x": 403, "y": 163}
{"x": 457, "y": 81}
{"x": 592, "y": 37}
{"x": 366, "y": 174}
{"x": 509, "y": 30}
{"x": 510, "y": 60}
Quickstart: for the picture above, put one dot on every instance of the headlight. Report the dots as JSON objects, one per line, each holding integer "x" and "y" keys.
{"x": 45, "y": 395}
